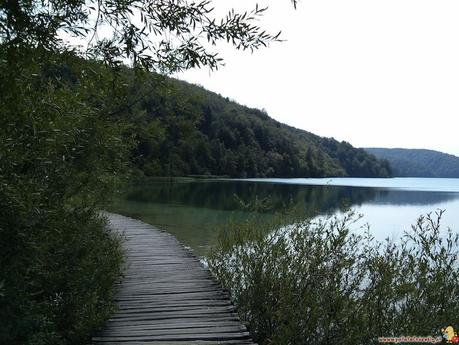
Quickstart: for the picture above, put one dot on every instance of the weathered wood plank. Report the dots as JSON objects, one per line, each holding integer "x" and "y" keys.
{"x": 128, "y": 332}
{"x": 172, "y": 337}
{"x": 181, "y": 325}
{"x": 166, "y": 296}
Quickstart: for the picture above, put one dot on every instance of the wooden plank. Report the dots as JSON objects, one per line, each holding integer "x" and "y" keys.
{"x": 203, "y": 330}
{"x": 180, "y": 325}
{"x": 166, "y": 295}
{"x": 172, "y": 337}
{"x": 171, "y": 304}
{"x": 171, "y": 321}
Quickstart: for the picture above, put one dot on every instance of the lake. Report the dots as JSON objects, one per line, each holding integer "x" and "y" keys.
{"x": 195, "y": 209}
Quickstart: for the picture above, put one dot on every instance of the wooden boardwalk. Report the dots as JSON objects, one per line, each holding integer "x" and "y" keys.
{"x": 166, "y": 295}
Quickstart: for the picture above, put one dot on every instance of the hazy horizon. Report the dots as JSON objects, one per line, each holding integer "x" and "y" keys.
{"x": 375, "y": 74}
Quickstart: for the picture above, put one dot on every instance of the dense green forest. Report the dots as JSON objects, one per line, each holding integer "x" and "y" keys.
{"x": 183, "y": 129}
{"x": 419, "y": 162}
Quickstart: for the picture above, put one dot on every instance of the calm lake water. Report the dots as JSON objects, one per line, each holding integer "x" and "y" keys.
{"x": 195, "y": 209}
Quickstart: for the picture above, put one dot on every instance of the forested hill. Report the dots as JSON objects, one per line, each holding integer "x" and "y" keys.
{"x": 183, "y": 129}
{"x": 419, "y": 162}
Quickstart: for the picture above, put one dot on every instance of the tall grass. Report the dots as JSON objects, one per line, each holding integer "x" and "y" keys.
{"x": 318, "y": 282}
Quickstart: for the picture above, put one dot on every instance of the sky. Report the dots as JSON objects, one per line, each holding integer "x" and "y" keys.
{"x": 375, "y": 73}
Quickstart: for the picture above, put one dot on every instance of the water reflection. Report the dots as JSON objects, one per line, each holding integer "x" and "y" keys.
{"x": 194, "y": 210}
{"x": 396, "y": 197}
{"x": 224, "y": 195}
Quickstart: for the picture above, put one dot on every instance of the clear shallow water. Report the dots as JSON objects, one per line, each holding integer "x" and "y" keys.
{"x": 195, "y": 209}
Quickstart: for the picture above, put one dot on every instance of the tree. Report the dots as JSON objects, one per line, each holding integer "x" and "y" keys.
{"x": 165, "y": 35}
{"x": 63, "y": 143}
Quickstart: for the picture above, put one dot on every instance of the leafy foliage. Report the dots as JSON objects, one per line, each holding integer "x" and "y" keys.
{"x": 64, "y": 144}
{"x": 165, "y": 35}
{"x": 59, "y": 158}
{"x": 321, "y": 283}
{"x": 183, "y": 129}
{"x": 419, "y": 163}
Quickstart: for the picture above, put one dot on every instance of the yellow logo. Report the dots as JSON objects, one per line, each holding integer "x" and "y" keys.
{"x": 450, "y": 335}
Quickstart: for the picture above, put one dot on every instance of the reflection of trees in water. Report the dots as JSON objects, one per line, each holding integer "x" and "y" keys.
{"x": 403, "y": 197}
{"x": 229, "y": 195}
{"x": 195, "y": 210}
{"x": 221, "y": 195}
{"x": 312, "y": 199}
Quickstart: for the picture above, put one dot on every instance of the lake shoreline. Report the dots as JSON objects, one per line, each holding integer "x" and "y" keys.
{"x": 195, "y": 210}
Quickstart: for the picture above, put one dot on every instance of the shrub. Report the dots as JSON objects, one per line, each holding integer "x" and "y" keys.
{"x": 60, "y": 156}
{"x": 59, "y": 279}
{"x": 317, "y": 282}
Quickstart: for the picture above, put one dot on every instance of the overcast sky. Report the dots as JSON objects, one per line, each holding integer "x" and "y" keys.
{"x": 374, "y": 73}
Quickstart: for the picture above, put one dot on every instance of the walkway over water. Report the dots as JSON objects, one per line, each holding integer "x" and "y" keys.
{"x": 166, "y": 295}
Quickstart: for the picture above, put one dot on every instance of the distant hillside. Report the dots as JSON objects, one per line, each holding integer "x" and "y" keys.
{"x": 183, "y": 129}
{"x": 418, "y": 162}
